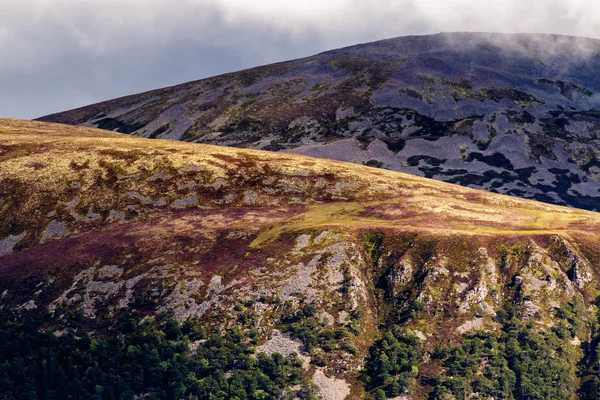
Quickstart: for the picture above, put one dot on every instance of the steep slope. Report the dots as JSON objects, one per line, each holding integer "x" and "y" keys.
{"x": 383, "y": 282}
{"x": 515, "y": 114}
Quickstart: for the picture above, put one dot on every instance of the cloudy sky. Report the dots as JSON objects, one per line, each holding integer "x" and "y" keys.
{"x": 60, "y": 54}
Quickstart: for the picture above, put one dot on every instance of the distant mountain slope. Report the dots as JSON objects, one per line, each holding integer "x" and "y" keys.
{"x": 516, "y": 114}
{"x": 384, "y": 283}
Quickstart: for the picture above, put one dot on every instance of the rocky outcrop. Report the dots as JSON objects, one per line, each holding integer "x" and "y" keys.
{"x": 515, "y": 114}
{"x": 336, "y": 257}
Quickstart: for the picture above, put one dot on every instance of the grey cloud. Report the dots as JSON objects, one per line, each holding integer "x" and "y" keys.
{"x": 60, "y": 54}
{"x": 542, "y": 46}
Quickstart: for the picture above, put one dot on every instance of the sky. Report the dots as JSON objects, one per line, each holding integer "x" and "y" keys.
{"x": 56, "y": 55}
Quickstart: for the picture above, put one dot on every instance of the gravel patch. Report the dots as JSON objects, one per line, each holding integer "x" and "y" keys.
{"x": 54, "y": 230}
{"x": 146, "y": 200}
{"x": 30, "y": 305}
{"x": 186, "y": 202}
{"x": 327, "y": 235}
{"x": 159, "y": 175}
{"x": 110, "y": 271}
{"x": 7, "y": 244}
{"x": 115, "y": 216}
{"x": 302, "y": 241}
{"x": 301, "y": 281}
{"x": 250, "y": 197}
{"x": 470, "y": 325}
{"x": 216, "y": 286}
{"x": 284, "y": 345}
{"x": 331, "y": 388}
{"x": 326, "y": 317}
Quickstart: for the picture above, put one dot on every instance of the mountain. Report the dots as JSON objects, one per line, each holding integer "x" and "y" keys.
{"x": 516, "y": 114}
{"x": 137, "y": 268}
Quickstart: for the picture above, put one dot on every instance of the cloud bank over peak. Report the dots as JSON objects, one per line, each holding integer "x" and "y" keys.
{"x": 60, "y": 54}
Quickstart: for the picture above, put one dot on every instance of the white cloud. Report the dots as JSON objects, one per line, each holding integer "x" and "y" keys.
{"x": 58, "y": 53}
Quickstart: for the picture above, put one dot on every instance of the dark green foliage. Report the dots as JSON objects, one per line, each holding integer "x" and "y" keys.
{"x": 304, "y": 325}
{"x": 347, "y": 280}
{"x": 394, "y": 145}
{"x": 354, "y": 324}
{"x": 380, "y": 395}
{"x": 406, "y": 303}
{"x": 373, "y": 241}
{"x": 590, "y": 385}
{"x": 244, "y": 315}
{"x": 308, "y": 391}
{"x": 590, "y": 390}
{"x": 145, "y": 359}
{"x": 392, "y": 363}
{"x": 574, "y": 312}
{"x": 522, "y": 362}
{"x": 478, "y": 365}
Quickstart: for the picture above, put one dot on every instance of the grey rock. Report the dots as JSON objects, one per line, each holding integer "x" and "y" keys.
{"x": 516, "y": 114}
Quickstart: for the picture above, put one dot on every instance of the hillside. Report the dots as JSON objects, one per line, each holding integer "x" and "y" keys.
{"x": 515, "y": 114}
{"x": 383, "y": 283}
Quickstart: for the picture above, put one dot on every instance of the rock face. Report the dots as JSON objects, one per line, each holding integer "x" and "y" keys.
{"x": 515, "y": 114}
{"x": 326, "y": 258}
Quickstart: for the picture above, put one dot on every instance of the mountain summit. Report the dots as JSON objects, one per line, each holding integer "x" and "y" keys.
{"x": 515, "y": 114}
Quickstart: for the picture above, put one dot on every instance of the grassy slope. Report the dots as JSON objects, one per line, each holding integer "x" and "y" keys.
{"x": 47, "y": 158}
{"x": 83, "y": 177}
{"x": 403, "y": 104}
{"x": 175, "y": 196}
{"x": 181, "y": 202}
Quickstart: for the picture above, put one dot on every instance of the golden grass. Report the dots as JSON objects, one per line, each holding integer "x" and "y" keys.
{"x": 48, "y": 158}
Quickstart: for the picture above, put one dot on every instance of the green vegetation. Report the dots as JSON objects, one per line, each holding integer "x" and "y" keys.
{"x": 154, "y": 360}
{"x": 314, "y": 333}
{"x": 522, "y": 362}
{"x": 373, "y": 241}
{"x": 590, "y": 385}
{"x": 392, "y": 364}
{"x": 147, "y": 359}
{"x": 413, "y": 250}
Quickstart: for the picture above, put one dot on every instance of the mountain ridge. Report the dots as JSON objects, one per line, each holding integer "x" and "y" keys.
{"x": 515, "y": 114}
{"x": 179, "y": 85}
{"x": 109, "y": 241}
